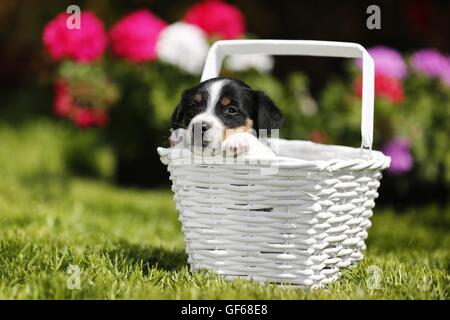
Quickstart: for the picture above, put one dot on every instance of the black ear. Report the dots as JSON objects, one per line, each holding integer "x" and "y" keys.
{"x": 177, "y": 118}
{"x": 269, "y": 116}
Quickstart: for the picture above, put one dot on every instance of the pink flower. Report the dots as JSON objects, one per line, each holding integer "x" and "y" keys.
{"x": 445, "y": 77}
{"x": 85, "y": 44}
{"x": 430, "y": 62}
{"x": 217, "y": 18}
{"x": 388, "y": 61}
{"x": 399, "y": 150}
{"x": 134, "y": 37}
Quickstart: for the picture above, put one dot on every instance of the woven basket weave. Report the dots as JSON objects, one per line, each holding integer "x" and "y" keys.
{"x": 298, "y": 224}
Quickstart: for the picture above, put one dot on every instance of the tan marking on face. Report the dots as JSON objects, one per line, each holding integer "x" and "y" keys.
{"x": 245, "y": 128}
{"x": 225, "y": 101}
{"x": 198, "y": 98}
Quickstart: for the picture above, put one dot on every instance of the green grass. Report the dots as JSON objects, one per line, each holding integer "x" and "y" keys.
{"x": 128, "y": 243}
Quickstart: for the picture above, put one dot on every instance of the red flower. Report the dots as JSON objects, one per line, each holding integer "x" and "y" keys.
{"x": 217, "y": 18}
{"x": 85, "y": 44}
{"x": 85, "y": 118}
{"x": 63, "y": 101}
{"x": 318, "y": 136}
{"x": 385, "y": 87}
{"x": 134, "y": 37}
{"x": 65, "y": 106}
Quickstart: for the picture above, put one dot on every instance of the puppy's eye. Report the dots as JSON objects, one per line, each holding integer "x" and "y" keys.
{"x": 191, "y": 106}
{"x": 231, "y": 110}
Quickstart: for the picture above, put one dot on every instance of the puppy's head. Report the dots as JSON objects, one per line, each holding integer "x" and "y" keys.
{"x": 219, "y": 107}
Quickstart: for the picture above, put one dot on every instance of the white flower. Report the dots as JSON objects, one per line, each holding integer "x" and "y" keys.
{"x": 308, "y": 105}
{"x": 183, "y": 45}
{"x": 241, "y": 62}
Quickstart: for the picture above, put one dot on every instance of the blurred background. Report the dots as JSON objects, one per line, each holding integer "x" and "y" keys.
{"x": 99, "y": 99}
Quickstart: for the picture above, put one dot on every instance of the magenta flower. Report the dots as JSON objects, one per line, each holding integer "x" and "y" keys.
{"x": 388, "y": 62}
{"x": 85, "y": 44}
{"x": 431, "y": 63}
{"x": 445, "y": 77}
{"x": 217, "y": 18}
{"x": 134, "y": 37}
{"x": 399, "y": 151}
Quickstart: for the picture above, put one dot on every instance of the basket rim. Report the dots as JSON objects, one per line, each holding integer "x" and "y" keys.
{"x": 367, "y": 159}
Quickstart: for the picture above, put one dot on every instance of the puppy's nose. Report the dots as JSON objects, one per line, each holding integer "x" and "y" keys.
{"x": 199, "y": 133}
{"x": 205, "y": 126}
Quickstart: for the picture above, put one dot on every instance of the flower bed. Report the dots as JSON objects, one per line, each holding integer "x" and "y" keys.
{"x": 127, "y": 79}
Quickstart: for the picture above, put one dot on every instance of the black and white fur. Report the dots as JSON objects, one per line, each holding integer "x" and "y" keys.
{"x": 224, "y": 114}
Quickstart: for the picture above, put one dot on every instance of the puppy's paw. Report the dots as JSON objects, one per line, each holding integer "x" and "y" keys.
{"x": 244, "y": 143}
{"x": 177, "y": 137}
{"x": 237, "y": 144}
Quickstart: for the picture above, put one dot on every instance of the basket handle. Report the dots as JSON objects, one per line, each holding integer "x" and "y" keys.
{"x": 223, "y": 48}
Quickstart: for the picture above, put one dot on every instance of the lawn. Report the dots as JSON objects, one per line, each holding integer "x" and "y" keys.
{"x": 128, "y": 243}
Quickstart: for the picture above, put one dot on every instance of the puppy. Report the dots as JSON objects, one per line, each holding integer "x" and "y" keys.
{"x": 224, "y": 114}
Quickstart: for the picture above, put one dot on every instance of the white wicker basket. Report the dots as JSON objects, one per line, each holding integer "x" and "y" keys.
{"x": 297, "y": 225}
